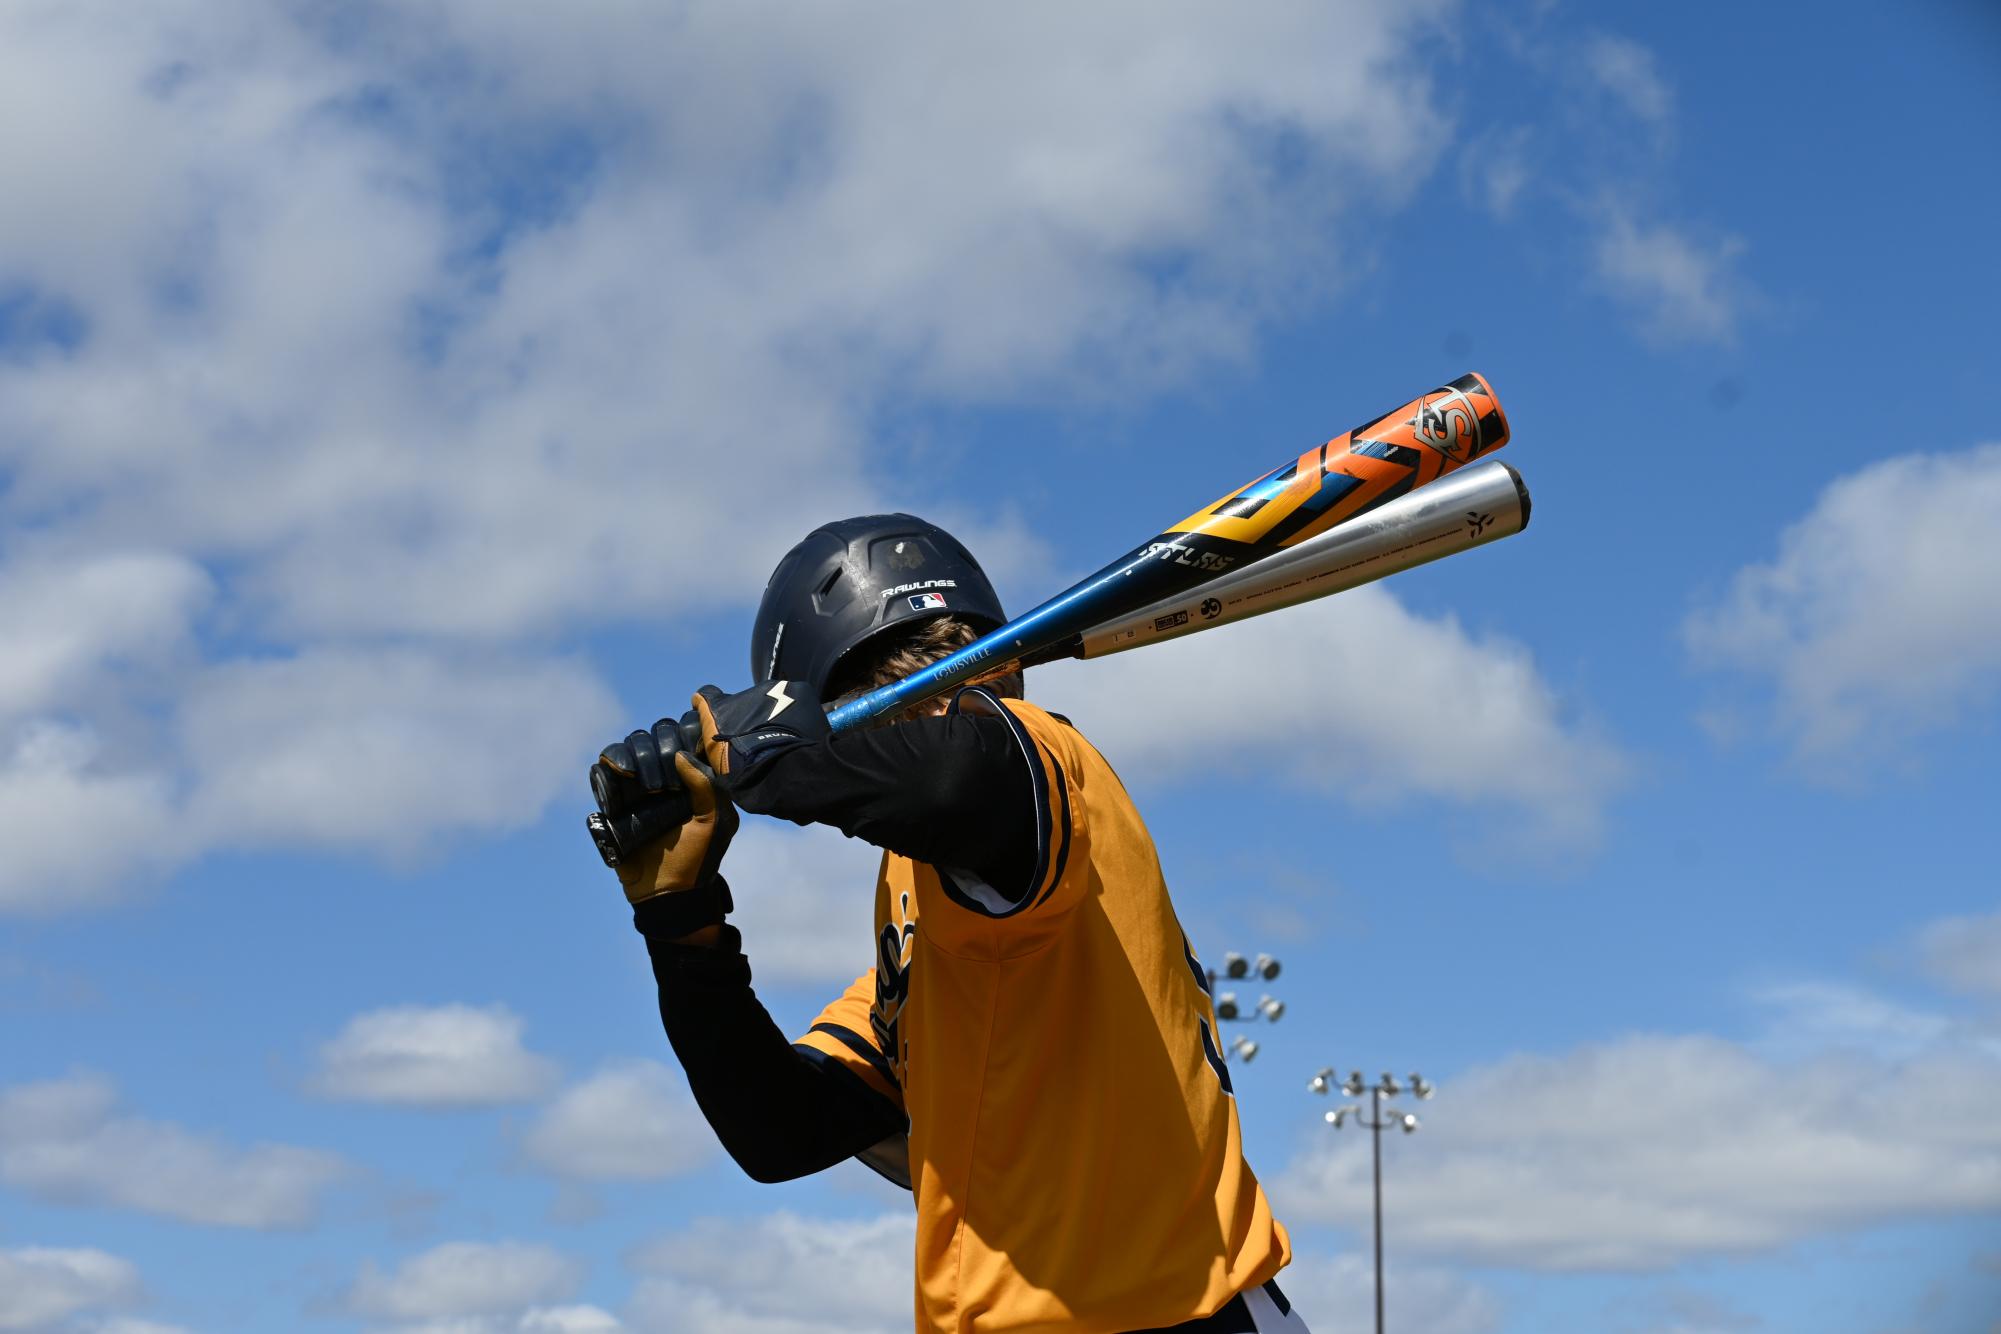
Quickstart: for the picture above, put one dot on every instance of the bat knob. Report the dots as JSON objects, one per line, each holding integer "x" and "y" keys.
{"x": 601, "y": 834}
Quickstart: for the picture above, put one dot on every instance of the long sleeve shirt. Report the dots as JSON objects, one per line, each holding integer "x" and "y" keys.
{"x": 951, "y": 791}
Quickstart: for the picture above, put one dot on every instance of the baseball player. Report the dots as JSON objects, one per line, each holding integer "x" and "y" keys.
{"x": 1034, "y": 1052}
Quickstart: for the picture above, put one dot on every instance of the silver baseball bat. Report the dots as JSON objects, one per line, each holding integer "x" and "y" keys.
{"x": 1470, "y": 508}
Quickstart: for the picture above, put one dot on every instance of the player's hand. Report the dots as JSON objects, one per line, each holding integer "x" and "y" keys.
{"x": 737, "y": 734}
{"x": 657, "y": 853}
{"x": 638, "y": 793}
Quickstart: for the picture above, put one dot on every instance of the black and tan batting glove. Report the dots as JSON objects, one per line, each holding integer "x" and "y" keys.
{"x": 638, "y": 792}
{"x": 739, "y": 734}
{"x": 662, "y": 825}
{"x": 685, "y": 859}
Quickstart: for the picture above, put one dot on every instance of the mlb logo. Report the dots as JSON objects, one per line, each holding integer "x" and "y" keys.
{"x": 928, "y": 602}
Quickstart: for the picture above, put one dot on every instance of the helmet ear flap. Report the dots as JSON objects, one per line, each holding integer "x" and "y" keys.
{"x": 852, "y": 580}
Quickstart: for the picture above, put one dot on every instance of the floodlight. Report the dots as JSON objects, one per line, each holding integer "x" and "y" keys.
{"x": 1244, "y": 1047}
{"x": 1266, "y": 966}
{"x": 1390, "y": 1086}
{"x": 1320, "y": 1083}
{"x": 1408, "y": 1121}
{"x": 1419, "y": 1086}
{"x": 1336, "y": 1117}
{"x": 1235, "y": 965}
{"x": 1270, "y": 1008}
{"x": 1226, "y": 1005}
{"x": 1354, "y": 1088}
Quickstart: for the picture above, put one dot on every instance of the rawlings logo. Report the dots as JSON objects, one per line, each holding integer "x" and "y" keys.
{"x": 888, "y": 593}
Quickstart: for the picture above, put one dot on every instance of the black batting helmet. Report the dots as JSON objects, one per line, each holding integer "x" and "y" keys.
{"x": 850, "y": 581}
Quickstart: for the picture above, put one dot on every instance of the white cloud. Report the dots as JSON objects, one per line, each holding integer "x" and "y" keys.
{"x": 60, "y": 789}
{"x": 1880, "y": 618}
{"x": 778, "y": 1274}
{"x": 568, "y": 1320}
{"x": 66, "y": 621}
{"x": 433, "y": 1056}
{"x": 805, "y": 902}
{"x": 1682, "y": 288}
{"x": 1494, "y": 169}
{"x": 387, "y": 749}
{"x": 633, "y": 1122}
{"x": 370, "y": 365}
{"x": 1358, "y": 697}
{"x": 64, "y": 1140}
{"x": 468, "y": 1279}
{"x": 1809, "y": 1017}
{"x": 334, "y": 748}
{"x": 1336, "y": 1295}
{"x": 581, "y": 1319}
{"x": 1649, "y": 1151}
{"x": 1964, "y": 953}
{"x": 40, "y": 1285}
{"x": 1627, "y": 71}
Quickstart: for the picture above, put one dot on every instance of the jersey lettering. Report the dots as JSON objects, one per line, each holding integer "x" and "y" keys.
{"x": 894, "y": 948}
{"x": 1210, "y": 1052}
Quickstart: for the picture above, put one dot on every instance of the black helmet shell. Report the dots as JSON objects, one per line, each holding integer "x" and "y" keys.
{"x": 850, "y": 581}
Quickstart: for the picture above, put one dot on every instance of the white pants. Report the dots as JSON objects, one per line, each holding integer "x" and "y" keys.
{"x": 1259, "y": 1310}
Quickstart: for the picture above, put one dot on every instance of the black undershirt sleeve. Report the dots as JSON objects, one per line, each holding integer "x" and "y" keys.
{"x": 952, "y": 791}
{"x": 779, "y": 1113}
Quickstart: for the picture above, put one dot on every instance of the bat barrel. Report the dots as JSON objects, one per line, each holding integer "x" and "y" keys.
{"x": 1470, "y": 508}
{"x": 1327, "y": 487}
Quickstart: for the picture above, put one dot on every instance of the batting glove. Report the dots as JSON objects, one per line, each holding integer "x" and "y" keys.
{"x": 739, "y": 734}
{"x": 661, "y": 823}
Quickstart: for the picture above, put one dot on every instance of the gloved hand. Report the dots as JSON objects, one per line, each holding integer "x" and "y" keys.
{"x": 737, "y": 734}
{"x": 663, "y": 825}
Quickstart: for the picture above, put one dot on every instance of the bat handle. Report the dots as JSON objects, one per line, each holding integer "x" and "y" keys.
{"x": 605, "y": 839}
{"x": 638, "y": 827}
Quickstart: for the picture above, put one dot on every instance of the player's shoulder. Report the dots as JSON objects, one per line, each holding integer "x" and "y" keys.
{"x": 1040, "y": 720}
{"x": 1066, "y": 744}
{"x": 1055, "y": 731}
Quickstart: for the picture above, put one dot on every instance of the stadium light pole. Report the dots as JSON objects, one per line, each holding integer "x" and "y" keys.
{"x": 1386, "y": 1087}
{"x": 1230, "y": 1009}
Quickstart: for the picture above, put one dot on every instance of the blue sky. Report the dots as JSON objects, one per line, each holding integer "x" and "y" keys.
{"x": 398, "y": 402}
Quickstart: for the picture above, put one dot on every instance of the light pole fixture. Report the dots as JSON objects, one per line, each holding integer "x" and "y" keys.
{"x": 1230, "y": 1009}
{"x": 1236, "y": 966}
{"x": 1351, "y": 1114}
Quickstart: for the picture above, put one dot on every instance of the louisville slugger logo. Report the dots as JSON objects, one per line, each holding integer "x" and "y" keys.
{"x": 1447, "y": 424}
{"x": 1209, "y": 561}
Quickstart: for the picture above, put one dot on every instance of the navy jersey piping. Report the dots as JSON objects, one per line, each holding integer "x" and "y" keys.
{"x": 1063, "y": 848}
{"x": 970, "y": 892}
{"x": 860, "y": 1046}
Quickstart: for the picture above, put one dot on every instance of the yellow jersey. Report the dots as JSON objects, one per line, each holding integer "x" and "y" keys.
{"x": 1075, "y": 1154}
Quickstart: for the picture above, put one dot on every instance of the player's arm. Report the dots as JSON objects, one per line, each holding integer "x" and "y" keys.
{"x": 781, "y": 1110}
{"x": 963, "y": 790}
